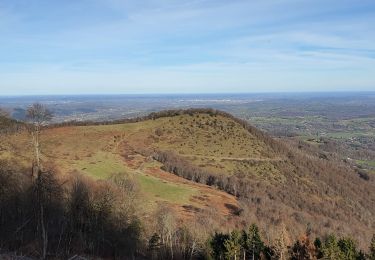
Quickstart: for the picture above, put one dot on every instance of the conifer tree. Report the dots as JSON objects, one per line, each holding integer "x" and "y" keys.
{"x": 218, "y": 245}
{"x": 254, "y": 244}
{"x": 348, "y": 248}
{"x": 233, "y": 245}
{"x": 331, "y": 249}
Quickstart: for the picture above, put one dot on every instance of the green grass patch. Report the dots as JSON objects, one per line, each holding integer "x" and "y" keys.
{"x": 100, "y": 165}
{"x": 160, "y": 189}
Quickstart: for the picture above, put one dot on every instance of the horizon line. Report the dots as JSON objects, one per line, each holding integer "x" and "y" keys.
{"x": 191, "y": 93}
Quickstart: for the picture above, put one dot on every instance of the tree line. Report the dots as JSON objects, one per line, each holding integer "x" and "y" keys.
{"x": 248, "y": 244}
{"x": 181, "y": 167}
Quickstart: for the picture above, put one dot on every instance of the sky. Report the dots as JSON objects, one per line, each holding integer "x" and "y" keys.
{"x": 176, "y": 46}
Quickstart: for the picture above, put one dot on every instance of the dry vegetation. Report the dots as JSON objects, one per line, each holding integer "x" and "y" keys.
{"x": 276, "y": 182}
{"x": 224, "y": 170}
{"x": 103, "y": 150}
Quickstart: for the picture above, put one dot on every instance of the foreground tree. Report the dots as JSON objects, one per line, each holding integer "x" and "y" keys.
{"x": 48, "y": 218}
{"x": 217, "y": 244}
{"x": 253, "y": 243}
{"x": 348, "y": 248}
{"x": 331, "y": 249}
{"x": 303, "y": 249}
{"x": 281, "y": 244}
{"x": 233, "y": 245}
{"x": 167, "y": 225}
{"x": 38, "y": 115}
{"x": 46, "y": 200}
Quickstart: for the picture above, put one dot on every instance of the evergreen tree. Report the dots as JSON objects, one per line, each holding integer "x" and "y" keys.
{"x": 254, "y": 244}
{"x": 331, "y": 249}
{"x": 233, "y": 245}
{"x": 348, "y": 248}
{"x": 244, "y": 246}
{"x": 268, "y": 253}
{"x": 318, "y": 248}
{"x": 218, "y": 245}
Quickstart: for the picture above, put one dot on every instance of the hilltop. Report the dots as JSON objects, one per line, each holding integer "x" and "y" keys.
{"x": 208, "y": 163}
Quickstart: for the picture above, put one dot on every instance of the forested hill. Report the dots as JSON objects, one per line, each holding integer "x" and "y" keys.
{"x": 277, "y": 182}
{"x": 210, "y": 169}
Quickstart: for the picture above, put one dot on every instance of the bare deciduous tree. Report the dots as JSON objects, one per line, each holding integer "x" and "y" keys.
{"x": 38, "y": 115}
{"x": 281, "y": 243}
{"x": 167, "y": 227}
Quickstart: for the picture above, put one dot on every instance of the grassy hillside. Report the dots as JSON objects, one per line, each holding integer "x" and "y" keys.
{"x": 273, "y": 182}
{"x": 102, "y": 151}
{"x": 212, "y": 143}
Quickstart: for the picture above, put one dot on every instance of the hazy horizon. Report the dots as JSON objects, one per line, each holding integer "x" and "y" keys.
{"x": 301, "y": 93}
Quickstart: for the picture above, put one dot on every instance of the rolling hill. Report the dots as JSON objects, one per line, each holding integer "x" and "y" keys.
{"x": 205, "y": 162}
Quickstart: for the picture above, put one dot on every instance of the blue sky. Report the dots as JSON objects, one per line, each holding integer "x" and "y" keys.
{"x": 167, "y": 46}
